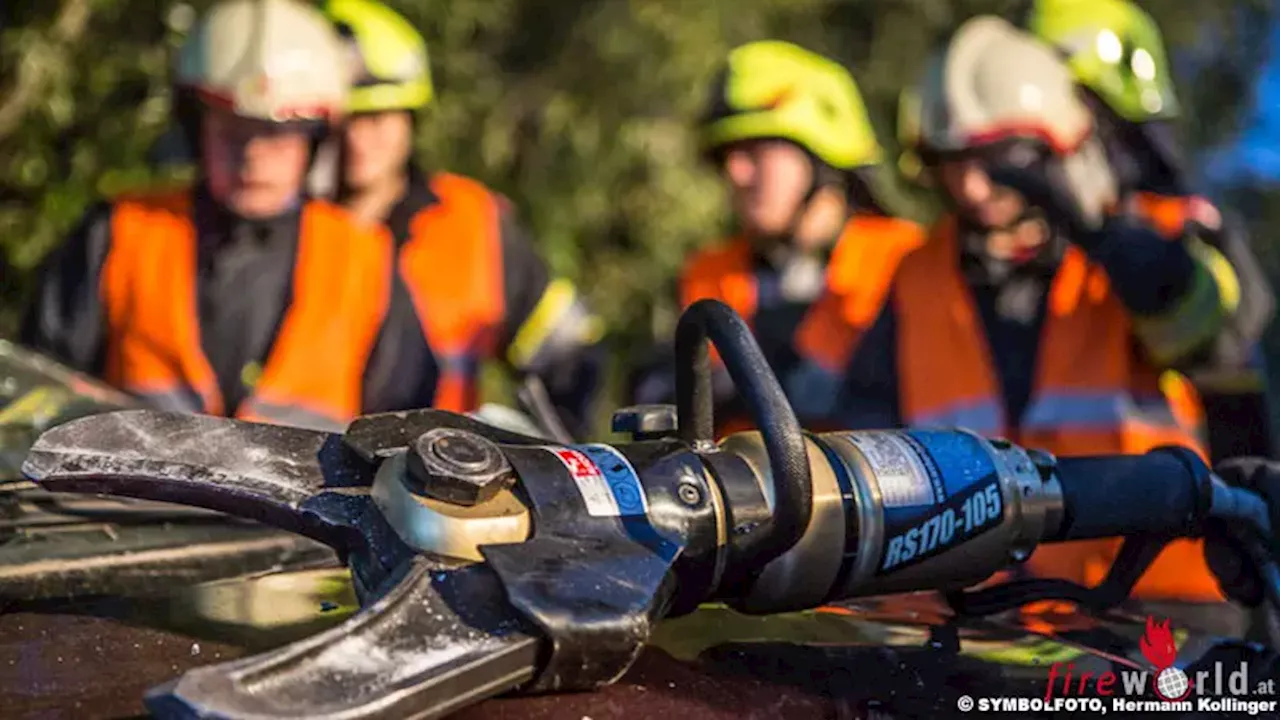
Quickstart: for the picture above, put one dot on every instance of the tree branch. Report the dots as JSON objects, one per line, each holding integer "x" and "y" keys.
{"x": 35, "y": 69}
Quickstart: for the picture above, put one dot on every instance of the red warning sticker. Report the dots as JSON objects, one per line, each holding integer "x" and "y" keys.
{"x": 590, "y": 480}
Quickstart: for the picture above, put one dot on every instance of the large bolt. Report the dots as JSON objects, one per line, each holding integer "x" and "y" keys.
{"x": 458, "y": 466}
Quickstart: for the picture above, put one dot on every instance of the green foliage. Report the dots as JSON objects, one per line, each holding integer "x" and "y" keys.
{"x": 580, "y": 110}
{"x": 84, "y": 95}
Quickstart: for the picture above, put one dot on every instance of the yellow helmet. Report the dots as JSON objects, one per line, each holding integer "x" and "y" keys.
{"x": 773, "y": 89}
{"x": 1115, "y": 50}
{"x": 392, "y": 68}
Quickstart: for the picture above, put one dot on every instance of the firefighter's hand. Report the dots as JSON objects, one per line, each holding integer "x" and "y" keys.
{"x": 1204, "y": 215}
{"x": 1223, "y": 552}
{"x": 1076, "y": 193}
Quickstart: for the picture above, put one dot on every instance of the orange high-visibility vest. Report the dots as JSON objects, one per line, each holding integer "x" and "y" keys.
{"x": 869, "y": 245}
{"x": 452, "y": 265}
{"x": 1093, "y": 392}
{"x": 313, "y": 376}
{"x": 839, "y": 319}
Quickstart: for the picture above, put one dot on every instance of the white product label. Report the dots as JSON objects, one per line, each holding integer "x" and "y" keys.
{"x": 903, "y": 480}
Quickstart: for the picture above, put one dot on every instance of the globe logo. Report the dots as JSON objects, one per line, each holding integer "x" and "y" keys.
{"x": 1158, "y": 646}
{"x": 1172, "y": 684}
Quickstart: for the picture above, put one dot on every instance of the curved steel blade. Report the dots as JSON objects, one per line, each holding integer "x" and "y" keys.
{"x": 442, "y": 639}
{"x": 299, "y": 480}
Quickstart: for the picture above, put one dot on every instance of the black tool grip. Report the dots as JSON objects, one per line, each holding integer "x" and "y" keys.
{"x": 1167, "y": 491}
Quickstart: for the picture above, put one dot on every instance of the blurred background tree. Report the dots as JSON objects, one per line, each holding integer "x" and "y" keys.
{"x": 580, "y": 110}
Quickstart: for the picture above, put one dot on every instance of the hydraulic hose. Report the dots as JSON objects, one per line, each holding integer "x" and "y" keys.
{"x": 788, "y": 459}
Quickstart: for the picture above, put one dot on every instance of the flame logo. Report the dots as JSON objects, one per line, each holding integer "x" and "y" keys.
{"x": 1157, "y": 644}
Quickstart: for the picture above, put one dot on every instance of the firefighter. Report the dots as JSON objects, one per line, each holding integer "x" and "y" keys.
{"x": 467, "y": 270}
{"x": 788, "y": 131}
{"x": 240, "y": 295}
{"x": 1116, "y": 53}
{"x": 1032, "y": 312}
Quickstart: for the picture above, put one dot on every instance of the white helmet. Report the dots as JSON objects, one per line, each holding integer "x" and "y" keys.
{"x": 993, "y": 82}
{"x": 275, "y": 60}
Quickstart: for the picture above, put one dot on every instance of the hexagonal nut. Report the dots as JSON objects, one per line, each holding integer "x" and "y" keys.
{"x": 458, "y": 466}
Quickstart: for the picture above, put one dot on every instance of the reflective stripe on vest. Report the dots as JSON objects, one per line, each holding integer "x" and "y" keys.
{"x": 258, "y": 410}
{"x": 559, "y": 326}
{"x": 1057, "y": 411}
{"x": 982, "y": 416}
{"x": 178, "y": 399}
{"x": 1093, "y": 394}
{"x": 314, "y": 374}
{"x": 452, "y": 265}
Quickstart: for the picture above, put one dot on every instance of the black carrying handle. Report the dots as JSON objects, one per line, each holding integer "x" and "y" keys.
{"x": 783, "y": 439}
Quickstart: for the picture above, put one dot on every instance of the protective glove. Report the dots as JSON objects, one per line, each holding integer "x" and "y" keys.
{"x": 1076, "y": 193}
{"x": 1223, "y": 552}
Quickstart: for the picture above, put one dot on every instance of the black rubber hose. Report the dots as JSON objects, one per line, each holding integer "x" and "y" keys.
{"x": 788, "y": 459}
{"x": 1135, "y": 557}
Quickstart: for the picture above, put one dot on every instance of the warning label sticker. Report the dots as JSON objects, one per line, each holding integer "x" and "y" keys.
{"x": 591, "y": 483}
{"x": 607, "y": 481}
{"x": 903, "y": 479}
